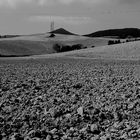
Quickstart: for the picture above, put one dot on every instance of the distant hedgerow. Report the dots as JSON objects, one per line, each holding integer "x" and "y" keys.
{"x": 58, "y": 47}
{"x": 111, "y": 42}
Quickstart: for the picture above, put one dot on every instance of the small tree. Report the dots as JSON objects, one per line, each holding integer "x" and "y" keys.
{"x": 110, "y": 42}
{"x": 57, "y": 47}
{"x": 52, "y": 35}
{"x": 77, "y": 46}
{"x": 65, "y": 48}
{"x": 119, "y": 41}
{"x": 85, "y": 47}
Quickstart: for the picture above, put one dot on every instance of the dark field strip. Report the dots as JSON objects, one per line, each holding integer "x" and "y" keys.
{"x": 69, "y": 99}
{"x": 1, "y": 56}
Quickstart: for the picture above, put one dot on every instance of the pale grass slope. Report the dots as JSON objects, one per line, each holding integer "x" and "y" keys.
{"x": 124, "y": 51}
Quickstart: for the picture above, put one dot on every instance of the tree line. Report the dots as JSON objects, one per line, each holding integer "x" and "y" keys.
{"x": 111, "y": 42}
{"x": 58, "y": 47}
{"x": 8, "y": 36}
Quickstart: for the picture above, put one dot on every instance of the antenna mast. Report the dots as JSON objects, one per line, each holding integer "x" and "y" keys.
{"x": 52, "y": 26}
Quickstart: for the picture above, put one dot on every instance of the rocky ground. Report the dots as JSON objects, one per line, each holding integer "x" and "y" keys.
{"x": 69, "y": 99}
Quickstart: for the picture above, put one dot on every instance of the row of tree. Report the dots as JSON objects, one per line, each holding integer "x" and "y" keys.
{"x": 58, "y": 47}
{"x": 133, "y": 39}
{"x": 4, "y": 36}
{"x": 111, "y": 42}
{"x": 8, "y": 36}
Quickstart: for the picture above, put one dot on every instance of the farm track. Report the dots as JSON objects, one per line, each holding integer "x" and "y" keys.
{"x": 69, "y": 99}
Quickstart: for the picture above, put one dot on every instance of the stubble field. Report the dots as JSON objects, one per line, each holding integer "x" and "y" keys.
{"x": 69, "y": 99}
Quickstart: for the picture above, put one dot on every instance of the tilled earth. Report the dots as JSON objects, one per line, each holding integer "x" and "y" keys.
{"x": 69, "y": 99}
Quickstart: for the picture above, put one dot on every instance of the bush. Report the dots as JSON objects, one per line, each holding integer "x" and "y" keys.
{"x": 110, "y": 42}
{"x": 117, "y": 41}
{"x": 85, "y": 47}
{"x": 77, "y": 46}
{"x": 66, "y": 48}
{"x": 57, "y": 47}
{"x": 52, "y": 35}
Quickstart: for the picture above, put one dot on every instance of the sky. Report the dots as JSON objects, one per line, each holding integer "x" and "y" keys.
{"x": 77, "y": 16}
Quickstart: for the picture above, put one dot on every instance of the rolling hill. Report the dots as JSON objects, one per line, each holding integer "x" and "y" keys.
{"x": 23, "y": 48}
{"x": 124, "y": 51}
{"x": 118, "y": 33}
{"x": 39, "y": 44}
{"x": 62, "y": 31}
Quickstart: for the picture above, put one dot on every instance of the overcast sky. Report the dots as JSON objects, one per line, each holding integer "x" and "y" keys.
{"x": 78, "y": 16}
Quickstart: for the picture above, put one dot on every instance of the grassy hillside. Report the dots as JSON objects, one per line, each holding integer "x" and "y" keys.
{"x": 128, "y": 51}
{"x": 41, "y": 44}
{"x": 21, "y": 47}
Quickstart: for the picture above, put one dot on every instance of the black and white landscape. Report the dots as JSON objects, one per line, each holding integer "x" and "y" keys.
{"x": 69, "y": 70}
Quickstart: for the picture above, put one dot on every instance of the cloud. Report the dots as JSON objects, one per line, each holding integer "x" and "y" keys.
{"x": 129, "y": 1}
{"x": 14, "y": 3}
{"x": 62, "y": 19}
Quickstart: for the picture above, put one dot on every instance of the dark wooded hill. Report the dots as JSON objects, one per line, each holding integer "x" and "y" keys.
{"x": 62, "y": 31}
{"x": 118, "y": 33}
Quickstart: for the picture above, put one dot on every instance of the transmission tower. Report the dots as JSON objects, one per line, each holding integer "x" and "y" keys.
{"x": 52, "y": 26}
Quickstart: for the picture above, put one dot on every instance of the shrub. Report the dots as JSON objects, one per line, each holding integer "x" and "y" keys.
{"x": 85, "y": 47}
{"x": 77, "y": 46}
{"x": 66, "y": 48}
{"x": 57, "y": 47}
{"x": 110, "y": 42}
{"x": 52, "y": 35}
{"x": 117, "y": 41}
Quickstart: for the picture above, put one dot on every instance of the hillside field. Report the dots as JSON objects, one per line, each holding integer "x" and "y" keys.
{"x": 124, "y": 51}
{"x": 41, "y": 44}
